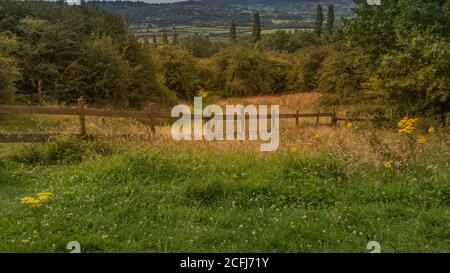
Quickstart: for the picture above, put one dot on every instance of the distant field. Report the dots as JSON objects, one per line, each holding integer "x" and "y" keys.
{"x": 215, "y": 33}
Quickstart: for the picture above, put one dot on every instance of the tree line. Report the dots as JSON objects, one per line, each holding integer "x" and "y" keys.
{"x": 55, "y": 53}
{"x": 393, "y": 56}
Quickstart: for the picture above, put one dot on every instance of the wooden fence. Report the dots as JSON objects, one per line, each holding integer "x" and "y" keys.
{"x": 150, "y": 113}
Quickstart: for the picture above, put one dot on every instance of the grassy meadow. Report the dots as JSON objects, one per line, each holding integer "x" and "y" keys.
{"x": 324, "y": 190}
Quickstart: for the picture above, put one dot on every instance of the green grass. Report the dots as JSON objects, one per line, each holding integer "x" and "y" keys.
{"x": 170, "y": 200}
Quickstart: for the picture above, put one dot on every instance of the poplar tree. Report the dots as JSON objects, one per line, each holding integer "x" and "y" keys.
{"x": 256, "y": 28}
{"x": 319, "y": 20}
{"x": 330, "y": 19}
{"x": 233, "y": 35}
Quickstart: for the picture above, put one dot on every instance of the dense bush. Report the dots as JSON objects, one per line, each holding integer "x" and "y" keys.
{"x": 200, "y": 45}
{"x": 307, "y": 68}
{"x": 9, "y": 72}
{"x": 288, "y": 42}
{"x": 64, "y": 52}
{"x": 64, "y": 151}
{"x": 243, "y": 72}
{"x": 396, "y": 54}
{"x": 180, "y": 71}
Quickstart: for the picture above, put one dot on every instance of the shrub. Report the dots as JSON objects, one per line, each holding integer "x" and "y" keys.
{"x": 64, "y": 151}
{"x": 180, "y": 70}
{"x": 304, "y": 75}
{"x": 244, "y": 72}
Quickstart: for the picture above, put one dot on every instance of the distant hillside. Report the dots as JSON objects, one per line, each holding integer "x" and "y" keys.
{"x": 274, "y": 13}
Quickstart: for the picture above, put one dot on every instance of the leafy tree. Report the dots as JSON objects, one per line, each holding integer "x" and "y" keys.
{"x": 288, "y": 42}
{"x": 9, "y": 72}
{"x": 233, "y": 35}
{"x": 340, "y": 81}
{"x": 256, "y": 27}
{"x": 422, "y": 86}
{"x": 280, "y": 66}
{"x": 63, "y": 52}
{"x": 304, "y": 75}
{"x": 243, "y": 72}
{"x": 180, "y": 71}
{"x": 330, "y": 19}
{"x": 277, "y": 41}
{"x": 318, "y": 21}
{"x": 199, "y": 45}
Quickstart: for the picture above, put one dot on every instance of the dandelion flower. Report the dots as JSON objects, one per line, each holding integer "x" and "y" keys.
{"x": 431, "y": 130}
{"x": 349, "y": 125}
{"x": 389, "y": 164}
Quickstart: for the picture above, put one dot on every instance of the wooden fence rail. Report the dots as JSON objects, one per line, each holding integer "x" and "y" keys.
{"x": 82, "y": 111}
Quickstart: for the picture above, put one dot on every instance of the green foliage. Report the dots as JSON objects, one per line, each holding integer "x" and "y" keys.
{"x": 243, "y": 72}
{"x": 330, "y": 19}
{"x": 256, "y": 27}
{"x": 61, "y": 152}
{"x": 9, "y": 72}
{"x": 64, "y": 52}
{"x": 233, "y": 35}
{"x": 319, "y": 21}
{"x": 396, "y": 55}
{"x": 64, "y": 151}
{"x": 306, "y": 69}
{"x": 280, "y": 67}
{"x": 288, "y": 42}
{"x": 180, "y": 71}
{"x": 340, "y": 80}
{"x": 416, "y": 80}
{"x": 199, "y": 45}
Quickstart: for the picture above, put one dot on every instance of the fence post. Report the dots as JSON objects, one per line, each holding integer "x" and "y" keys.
{"x": 333, "y": 117}
{"x": 151, "y": 111}
{"x": 297, "y": 119}
{"x": 81, "y": 114}
{"x": 317, "y": 118}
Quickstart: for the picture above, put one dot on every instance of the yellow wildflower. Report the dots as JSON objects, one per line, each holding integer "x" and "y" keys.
{"x": 43, "y": 197}
{"x": 317, "y": 137}
{"x": 407, "y": 125}
{"x": 421, "y": 139}
{"x": 36, "y": 202}
{"x": 431, "y": 130}
{"x": 294, "y": 148}
{"x": 31, "y": 202}
{"x": 349, "y": 125}
{"x": 47, "y": 194}
{"x": 26, "y": 199}
{"x": 389, "y": 164}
